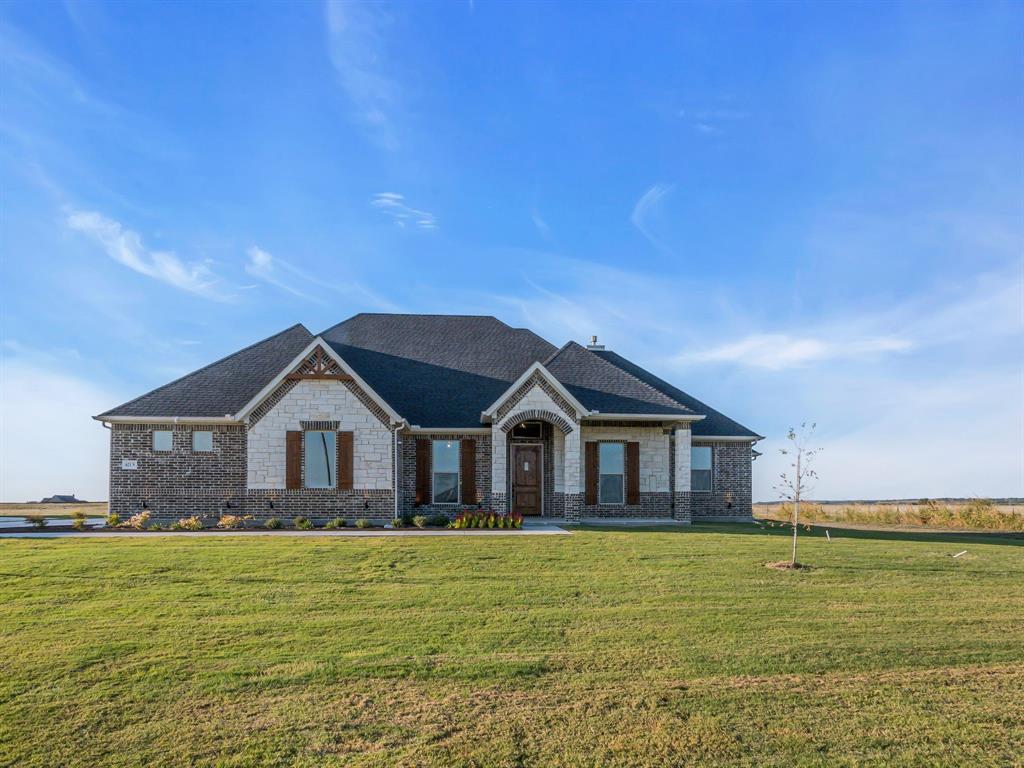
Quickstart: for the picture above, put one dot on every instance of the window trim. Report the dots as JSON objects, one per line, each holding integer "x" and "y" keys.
{"x": 202, "y": 431}
{"x": 152, "y": 442}
{"x": 333, "y": 482}
{"x": 458, "y": 473}
{"x": 710, "y": 470}
{"x": 621, "y": 475}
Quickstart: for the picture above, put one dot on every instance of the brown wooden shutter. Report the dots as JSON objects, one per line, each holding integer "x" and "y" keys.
{"x": 467, "y": 456}
{"x": 590, "y": 475}
{"x": 293, "y": 460}
{"x": 422, "y": 472}
{"x": 345, "y": 460}
{"x": 632, "y": 473}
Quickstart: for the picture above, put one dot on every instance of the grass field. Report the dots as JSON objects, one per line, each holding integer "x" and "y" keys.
{"x": 601, "y": 648}
{"x": 91, "y": 508}
{"x": 973, "y": 514}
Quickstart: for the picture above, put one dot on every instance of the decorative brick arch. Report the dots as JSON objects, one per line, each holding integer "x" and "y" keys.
{"x": 535, "y": 414}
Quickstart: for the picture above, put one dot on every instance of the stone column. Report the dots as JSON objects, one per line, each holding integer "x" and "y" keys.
{"x": 681, "y": 480}
{"x": 572, "y": 474}
{"x": 499, "y": 469}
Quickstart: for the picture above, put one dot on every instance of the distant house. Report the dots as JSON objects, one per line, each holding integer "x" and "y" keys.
{"x": 62, "y": 498}
{"x": 383, "y": 415}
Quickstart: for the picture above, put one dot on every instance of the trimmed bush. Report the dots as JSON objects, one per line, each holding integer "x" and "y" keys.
{"x": 78, "y": 518}
{"x": 420, "y": 521}
{"x": 187, "y": 524}
{"x": 362, "y": 522}
{"x": 440, "y": 520}
{"x": 113, "y": 520}
{"x": 138, "y": 521}
{"x": 303, "y": 523}
{"x": 273, "y": 524}
{"x": 231, "y": 521}
{"x": 334, "y": 524}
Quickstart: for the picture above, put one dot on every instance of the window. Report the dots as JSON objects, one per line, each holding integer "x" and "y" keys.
{"x": 446, "y": 471}
{"x": 700, "y": 468}
{"x": 530, "y": 429}
{"x": 321, "y": 459}
{"x": 202, "y": 442}
{"x": 163, "y": 440}
{"x": 611, "y": 461}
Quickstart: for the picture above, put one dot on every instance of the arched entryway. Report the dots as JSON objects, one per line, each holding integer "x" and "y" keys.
{"x": 535, "y": 448}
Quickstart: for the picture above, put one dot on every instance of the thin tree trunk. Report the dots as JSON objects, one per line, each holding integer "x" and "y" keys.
{"x": 796, "y": 509}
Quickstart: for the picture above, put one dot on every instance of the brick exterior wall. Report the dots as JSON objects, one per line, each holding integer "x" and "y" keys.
{"x": 178, "y": 482}
{"x": 407, "y": 473}
{"x": 729, "y": 498}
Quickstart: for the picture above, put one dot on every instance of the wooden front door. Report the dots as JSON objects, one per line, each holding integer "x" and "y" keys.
{"x": 526, "y": 480}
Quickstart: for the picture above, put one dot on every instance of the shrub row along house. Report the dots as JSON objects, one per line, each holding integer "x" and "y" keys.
{"x": 385, "y": 415}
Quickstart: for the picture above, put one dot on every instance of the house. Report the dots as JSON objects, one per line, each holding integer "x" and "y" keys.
{"x": 387, "y": 414}
{"x": 62, "y": 498}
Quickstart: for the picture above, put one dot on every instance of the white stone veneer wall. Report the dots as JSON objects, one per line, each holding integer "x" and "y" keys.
{"x": 313, "y": 400}
{"x": 682, "y": 460}
{"x": 654, "y": 459}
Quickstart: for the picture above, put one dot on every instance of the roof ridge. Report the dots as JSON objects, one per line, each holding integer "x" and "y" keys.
{"x": 556, "y": 353}
{"x": 637, "y": 379}
{"x": 208, "y": 365}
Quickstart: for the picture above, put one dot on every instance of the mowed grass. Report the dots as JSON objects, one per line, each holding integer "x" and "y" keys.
{"x": 602, "y": 648}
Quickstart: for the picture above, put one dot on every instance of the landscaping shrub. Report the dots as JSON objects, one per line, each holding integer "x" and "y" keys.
{"x": 187, "y": 524}
{"x": 113, "y": 520}
{"x": 232, "y": 521}
{"x": 398, "y": 522}
{"x": 420, "y": 521}
{"x": 137, "y": 521}
{"x": 273, "y": 523}
{"x": 154, "y": 527}
{"x": 440, "y": 520}
{"x": 303, "y": 523}
{"x": 36, "y": 521}
{"x": 362, "y": 522}
{"x": 78, "y": 518}
{"x": 482, "y": 519}
{"x": 337, "y": 522}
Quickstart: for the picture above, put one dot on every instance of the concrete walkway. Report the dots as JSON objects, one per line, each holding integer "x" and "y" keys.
{"x": 530, "y": 530}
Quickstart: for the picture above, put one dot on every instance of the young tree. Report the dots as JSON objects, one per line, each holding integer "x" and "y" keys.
{"x": 795, "y": 483}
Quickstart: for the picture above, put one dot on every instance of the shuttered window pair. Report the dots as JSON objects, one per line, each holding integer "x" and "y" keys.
{"x": 611, "y": 473}
{"x": 446, "y": 471}
{"x": 326, "y": 462}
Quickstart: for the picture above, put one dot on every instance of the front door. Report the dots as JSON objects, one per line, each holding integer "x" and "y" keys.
{"x": 526, "y": 480}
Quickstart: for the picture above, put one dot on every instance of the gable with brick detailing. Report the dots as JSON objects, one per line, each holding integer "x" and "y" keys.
{"x": 385, "y": 415}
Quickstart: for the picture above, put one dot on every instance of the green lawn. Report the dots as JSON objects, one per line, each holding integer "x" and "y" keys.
{"x": 601, "y": 648}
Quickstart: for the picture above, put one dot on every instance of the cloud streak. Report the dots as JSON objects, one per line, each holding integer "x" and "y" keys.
{"x": 355, "y": 45}
{"x": 263, "y": 266}
{"x": 647, "y": 212}
{"x": 393, "y": 205}
{"x": 777, "y": 351}
{"x": 125, "y": 247}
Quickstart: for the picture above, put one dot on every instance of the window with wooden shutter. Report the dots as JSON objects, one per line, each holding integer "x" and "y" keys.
{"x": 632, "y": 473}
{"x": 293, "y": 459}
{"x": 346, "y": 447}
{"x": 590, "y": 474}
{"x": 468, "y": 474}
{"x": 422, "y": 472}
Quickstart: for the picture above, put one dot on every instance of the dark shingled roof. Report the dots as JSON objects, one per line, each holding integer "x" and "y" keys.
{"x": 437, "y": 370}
{"x": 713, "y": 424}
{"x": 606, "y": 388}
{"x": 222, "y": 387}
{"x": 434, "y": 371}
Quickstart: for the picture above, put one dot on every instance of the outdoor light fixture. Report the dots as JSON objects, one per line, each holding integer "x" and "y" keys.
{"x": 271, "y": 502}
{"x": 144, "y": 504}
{"x": 227, "y": 504}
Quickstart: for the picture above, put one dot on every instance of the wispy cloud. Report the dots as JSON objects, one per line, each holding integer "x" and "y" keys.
{"x": 125, "y": 247}
{"x": 287, "y": 277}
{"x": 711, "y": 120}
{"x": 776, "y": 351}
{"x": 647, "y": 212}
{"x": 355, "y": 44}
{"x": 393, "y": 204}
{"x": 263, "y": 266}
{"x": 540, "y": 224}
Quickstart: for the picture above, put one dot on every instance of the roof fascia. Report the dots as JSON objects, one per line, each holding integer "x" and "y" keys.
{"x": 167, "y": 419}
{"x": 598, "y": 416}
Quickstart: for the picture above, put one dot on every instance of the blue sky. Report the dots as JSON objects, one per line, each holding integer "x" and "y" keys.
{"x": 793, "y": 211}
